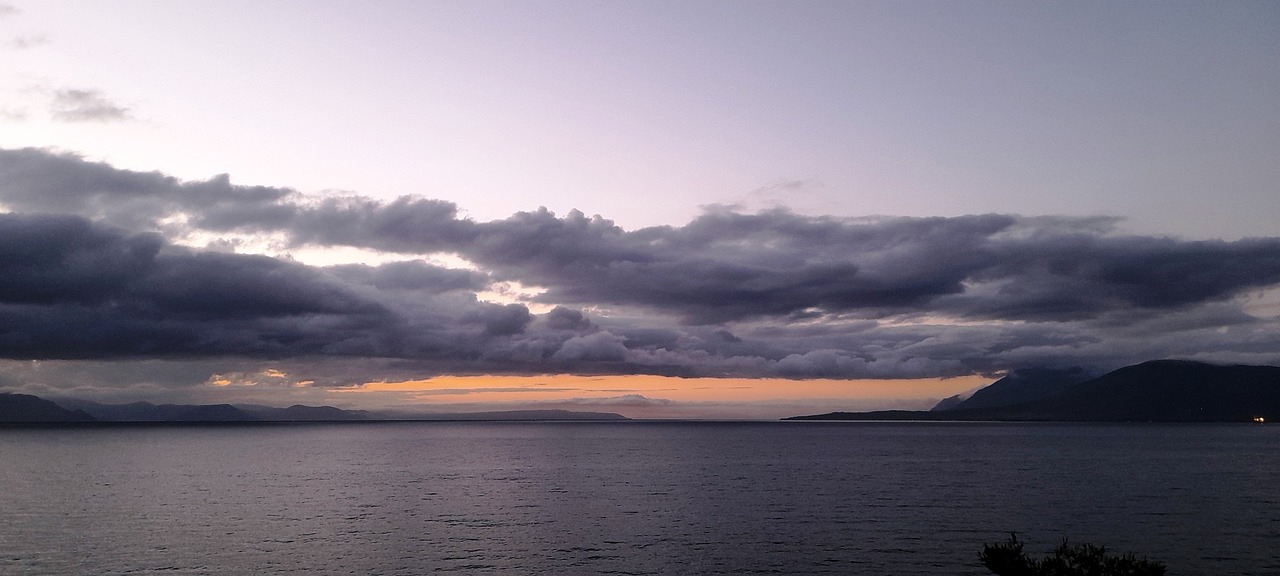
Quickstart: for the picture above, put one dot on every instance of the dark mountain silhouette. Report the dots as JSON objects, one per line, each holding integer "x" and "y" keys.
{"x": 1156, "y": 391}
{"x": 949, "y": 402}
{"x": 25, "y": 408}
{"x": 1025, "y": 385}
{"x": 148, "y": 412}
{"x": 135, "y": 412}
{"x": 300, "y": 413}
{"x": 510, "y": 415}
{"x": 212, "y": 413}
{"x": 1168, "y": 391}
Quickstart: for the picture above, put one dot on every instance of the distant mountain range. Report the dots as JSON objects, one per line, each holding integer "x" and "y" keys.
{"x": 25, "y": 408}
{"x": 1156, "y": 391}
{"x": 1019, "y": 386}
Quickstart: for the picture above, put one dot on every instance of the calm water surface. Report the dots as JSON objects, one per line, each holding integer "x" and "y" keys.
{"x": 629, "y": 498}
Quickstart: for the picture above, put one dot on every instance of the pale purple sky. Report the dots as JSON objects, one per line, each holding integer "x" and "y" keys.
{"x": 1160, "y": 112}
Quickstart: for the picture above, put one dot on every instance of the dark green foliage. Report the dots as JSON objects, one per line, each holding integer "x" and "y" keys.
{"x": 1008, "y": 559}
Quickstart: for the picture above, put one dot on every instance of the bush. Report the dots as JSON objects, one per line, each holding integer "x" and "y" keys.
{"x": 1008, "y": 559}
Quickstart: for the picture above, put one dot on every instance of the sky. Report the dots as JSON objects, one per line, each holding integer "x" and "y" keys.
{"x": 663, "y": 209}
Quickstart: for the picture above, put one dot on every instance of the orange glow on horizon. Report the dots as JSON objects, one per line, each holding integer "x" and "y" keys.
{"x": 482, "y": 389}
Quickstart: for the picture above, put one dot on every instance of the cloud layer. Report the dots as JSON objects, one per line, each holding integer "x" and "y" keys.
{"x": 102, "y": 264}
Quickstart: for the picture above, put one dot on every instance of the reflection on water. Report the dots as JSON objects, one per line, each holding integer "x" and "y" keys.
{"x": 630, "y": 497}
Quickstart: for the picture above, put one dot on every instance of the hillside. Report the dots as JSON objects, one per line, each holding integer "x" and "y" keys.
{"x": 1155, "y": 391}
{"x": 148, "y": 412}
{"x": 512, "y": 415}
{"x": 1019, "y": 386}
{"x": 1168, "y": 391}
{"x": 25, "y": 408}
{"x": 22, "y": 408}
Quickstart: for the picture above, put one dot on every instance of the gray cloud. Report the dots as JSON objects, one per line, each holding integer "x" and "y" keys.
{"x": 81, "y": 105}
{"x": 25, "y": 42}
{"x": 35, "y": 180}
{"x": 90, "y": 271}
{"x": 14, "y": 114}
{"x": 598, "y": 346}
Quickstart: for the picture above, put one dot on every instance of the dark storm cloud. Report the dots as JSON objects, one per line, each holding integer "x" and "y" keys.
{"x": 57, "y": 259}
{"x": 53, "y": 259}
{"x": 39, "y": 181}
{"x": 725, "y": 267}
{"x": 410, "y": 225}
{"x": 70, "y": 288}
{"x": 561, "y": 318}
{"x": 90, "y": 271}
{"x": 501, "y": 320}
{"x": 1074, "y": 276}
{"x": 721, "y": 267}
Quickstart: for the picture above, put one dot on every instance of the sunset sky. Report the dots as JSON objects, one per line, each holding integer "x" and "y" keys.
{"x": 663, "y": 209}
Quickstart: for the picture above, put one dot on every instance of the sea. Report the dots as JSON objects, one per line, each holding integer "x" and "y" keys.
{"x": 630, "y": 497}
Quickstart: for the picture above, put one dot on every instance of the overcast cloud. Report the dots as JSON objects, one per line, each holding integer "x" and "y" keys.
{"x": 102, "y": 264}
{"x": 82, "y": 105}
